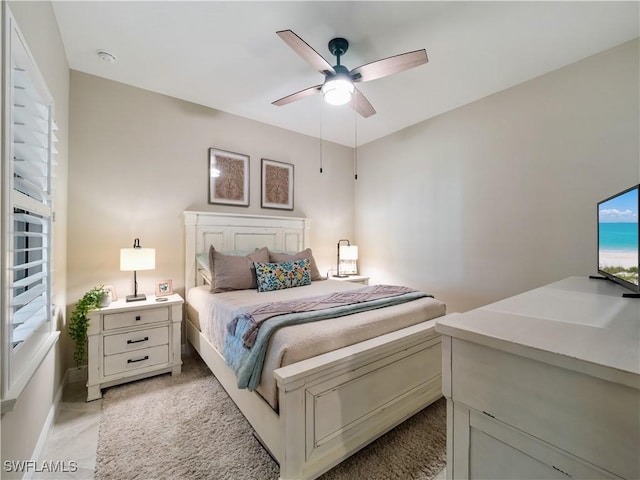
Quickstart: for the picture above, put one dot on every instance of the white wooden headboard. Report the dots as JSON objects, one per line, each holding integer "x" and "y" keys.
{"x": 230, "y": 231}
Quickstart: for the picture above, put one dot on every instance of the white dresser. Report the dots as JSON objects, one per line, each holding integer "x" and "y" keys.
{"x": 544, "y": 385}
{"x": 130, "y": 341}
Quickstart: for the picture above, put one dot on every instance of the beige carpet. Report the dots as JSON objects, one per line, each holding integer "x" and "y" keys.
{"x": 187, "y": 427}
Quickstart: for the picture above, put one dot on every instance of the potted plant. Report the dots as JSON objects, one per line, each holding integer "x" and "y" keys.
{"x": 79, "y": 322}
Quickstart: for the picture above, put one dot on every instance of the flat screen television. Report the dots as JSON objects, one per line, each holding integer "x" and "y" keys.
{"x": 618, "y": 233}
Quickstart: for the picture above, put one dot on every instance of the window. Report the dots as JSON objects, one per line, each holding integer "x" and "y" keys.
{"x": 28, "y": 148}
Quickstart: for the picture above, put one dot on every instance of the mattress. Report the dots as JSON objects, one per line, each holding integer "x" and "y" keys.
{"x": 211, "y": 313}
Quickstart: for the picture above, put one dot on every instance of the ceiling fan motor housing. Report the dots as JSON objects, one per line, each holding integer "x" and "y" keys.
{"x": 338, "y": 47}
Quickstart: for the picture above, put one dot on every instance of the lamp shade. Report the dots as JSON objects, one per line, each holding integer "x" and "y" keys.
{"x": 348, "y": 252}
{"x": 132, "y": 259}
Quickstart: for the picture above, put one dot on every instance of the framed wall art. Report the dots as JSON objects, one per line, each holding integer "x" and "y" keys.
{"x": 277, "y": 185}
{"x": 228, "y": 178}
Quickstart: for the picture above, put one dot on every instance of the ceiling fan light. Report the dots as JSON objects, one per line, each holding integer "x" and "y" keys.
{"x": 337, "y": 91}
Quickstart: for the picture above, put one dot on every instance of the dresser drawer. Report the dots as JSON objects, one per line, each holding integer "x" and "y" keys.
{"x": 146, "y": 357}
{"x": 138, "y": 317}
{"x": 126, "y": 342}
{"x": 604, "y": 426}
{"x": 498, "y": 451}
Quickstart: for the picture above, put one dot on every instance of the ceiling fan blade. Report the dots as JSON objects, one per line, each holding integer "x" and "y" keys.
{"x": 307, "y": 92}
{"x": 303, "y": 49}
{"x": 389, "y": 66}
{"x": 361, "y": 105}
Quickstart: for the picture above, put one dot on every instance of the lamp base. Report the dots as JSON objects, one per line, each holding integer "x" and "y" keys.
{"x": 136, "y": 298}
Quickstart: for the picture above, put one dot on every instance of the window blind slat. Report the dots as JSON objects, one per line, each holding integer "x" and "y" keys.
{"x": 22, "y": 114}
{"x": 25, "y": 266}
{"x": 26, "y": 152}
{"x": 30, "y": 280}
{"x": 29, "y": 234}
{"x": 34, "y": 309}
{"x": 30, "y": 189}
{"x": 33, "y": 162}
{"x": 22, "y": 332}
{"x": 26, "y": 218}
{"x": 30, "y": 249}
{"x": 25, "y": 134}
{"x": 28, "y": 296}
{"x": 26, "y": 94}
{"x": 24, "y": 202}
{"x": 21, "y": 97}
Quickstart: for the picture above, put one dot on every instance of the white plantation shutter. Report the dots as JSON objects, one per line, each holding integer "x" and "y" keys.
{"x": 28, "y": 146}
{"x": 32, "y": 144}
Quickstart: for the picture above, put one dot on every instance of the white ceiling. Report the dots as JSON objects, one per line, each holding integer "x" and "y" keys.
{"x": 227, "y": 56}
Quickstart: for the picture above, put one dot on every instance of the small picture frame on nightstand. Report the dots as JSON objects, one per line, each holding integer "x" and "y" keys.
{"x": 112, "y": 289}
{"x": 164, "y": 288}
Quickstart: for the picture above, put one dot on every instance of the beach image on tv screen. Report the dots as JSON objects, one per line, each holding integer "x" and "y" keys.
{"x": 618, "y": 236}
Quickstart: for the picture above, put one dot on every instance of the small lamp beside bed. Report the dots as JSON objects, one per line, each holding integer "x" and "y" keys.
{"x": 134, "y": 259}
{"x": 347, "y": 260}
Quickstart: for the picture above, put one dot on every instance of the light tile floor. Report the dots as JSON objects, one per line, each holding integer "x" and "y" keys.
{"x": 442, "y": 475}
{"x": 74, "y": 436}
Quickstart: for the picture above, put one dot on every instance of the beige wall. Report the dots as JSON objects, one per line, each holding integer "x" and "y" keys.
{"x": 499, "y": 196}
{"x": 139, "y": 159}
{"x": 22, "y": 427}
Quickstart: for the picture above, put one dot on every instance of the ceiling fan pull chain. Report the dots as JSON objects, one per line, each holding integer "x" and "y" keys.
{"x": 320, "y": 135}
{"x": 355, "y": 152}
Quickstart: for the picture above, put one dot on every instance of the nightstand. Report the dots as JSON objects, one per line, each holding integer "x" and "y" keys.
{"x": 134, "y": 340}
{"x": 353, "y": 279}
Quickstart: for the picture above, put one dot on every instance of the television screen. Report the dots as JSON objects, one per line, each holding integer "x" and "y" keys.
{"x": 618, "y": 245}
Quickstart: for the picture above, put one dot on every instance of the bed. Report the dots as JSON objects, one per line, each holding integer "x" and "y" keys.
{"x": 312, "y": 413}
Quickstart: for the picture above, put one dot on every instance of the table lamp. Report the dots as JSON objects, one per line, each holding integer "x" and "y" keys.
{"x": 134, "y": 259}
{"x": 347, "y": 258}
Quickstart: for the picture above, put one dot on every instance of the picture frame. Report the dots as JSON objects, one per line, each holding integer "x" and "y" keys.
{"x": 277, "y": 179}
{"x": 112, "y": 290}
{"x": 228, "y": 178}
{"x": 164, "y": 288}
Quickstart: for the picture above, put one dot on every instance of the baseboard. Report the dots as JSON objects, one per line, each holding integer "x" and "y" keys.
{"x": 77, "y": 374}
{"x": 41, "y": 444}
{"x": 187, "y": 350}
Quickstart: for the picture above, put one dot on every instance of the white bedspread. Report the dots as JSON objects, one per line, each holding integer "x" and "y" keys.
{"x": 211, "y": 313}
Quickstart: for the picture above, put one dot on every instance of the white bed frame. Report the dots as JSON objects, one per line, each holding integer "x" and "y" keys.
{"x": 332, "y": 405}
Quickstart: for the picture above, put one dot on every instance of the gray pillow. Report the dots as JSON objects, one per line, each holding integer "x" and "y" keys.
{"x": 275, "y": 257}
{"x": 234, "y": 272}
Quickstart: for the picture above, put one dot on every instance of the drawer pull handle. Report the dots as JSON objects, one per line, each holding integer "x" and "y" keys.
{"x": 146, "y": 357}
{"x": 138, "y": 318}
{"x": 129, "y": 342}
{"x": 561, "y": 471}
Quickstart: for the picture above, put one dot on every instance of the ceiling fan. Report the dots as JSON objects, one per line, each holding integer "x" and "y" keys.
{"x": 338, "y": 87}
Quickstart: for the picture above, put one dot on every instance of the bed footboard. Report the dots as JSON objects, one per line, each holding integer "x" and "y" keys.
{"x": 334, "y": 404}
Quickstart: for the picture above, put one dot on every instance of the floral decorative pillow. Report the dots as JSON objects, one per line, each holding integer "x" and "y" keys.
{"x": 281, "y": 275}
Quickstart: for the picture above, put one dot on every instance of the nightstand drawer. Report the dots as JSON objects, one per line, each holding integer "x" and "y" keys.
{"x": 123, "y": 362}
{"x": 138, "y": 317}
{"x": 126, "y": 342}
